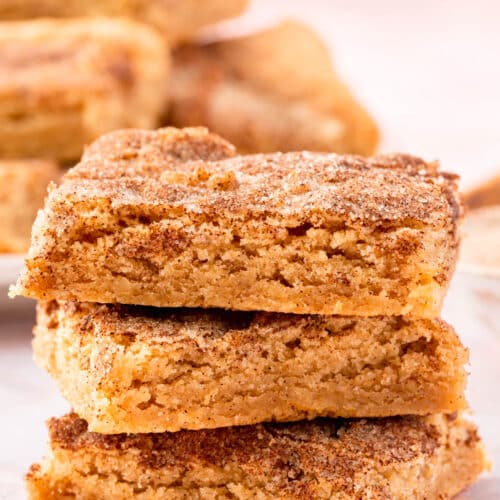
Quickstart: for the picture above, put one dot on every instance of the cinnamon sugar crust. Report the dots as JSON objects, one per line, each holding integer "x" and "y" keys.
{"x": 65, "y": 82}
{"x": 136, "y": 369}
{"x": 274, "y": 90}
{"x": 161, "y": 218}
{"x": 400, "y": 457}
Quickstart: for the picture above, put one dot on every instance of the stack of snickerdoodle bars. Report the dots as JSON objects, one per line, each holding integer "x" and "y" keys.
{"x": 193, "y": 301}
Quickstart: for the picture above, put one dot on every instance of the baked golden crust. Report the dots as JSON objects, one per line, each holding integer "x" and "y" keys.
{"x": 65, "y": 82}
{"x": 275, "y": 90}
{"x": 401, "y": 457}
{"x": 177, "y": 20}
{"x": 133, "y": 369}
{"x": 148, "y": 218}
{"x": 23, "y": 186}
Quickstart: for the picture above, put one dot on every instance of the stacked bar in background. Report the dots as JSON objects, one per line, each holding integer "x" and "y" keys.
{"x": 273, "y": 90}
{"x": 347, "y": 258}
{"x": 68, "y": 81}
{"x": 176, "y": 20}
{"x": 23, "y": 186}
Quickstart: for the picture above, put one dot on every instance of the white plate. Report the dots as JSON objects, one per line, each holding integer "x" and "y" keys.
{"x": 10, "y": 267}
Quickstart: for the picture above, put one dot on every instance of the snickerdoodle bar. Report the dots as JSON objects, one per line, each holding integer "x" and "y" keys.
{"x": 177, "y": 20}
{"x": 65, "y": 82}
{"x": 137, "y": 369}
{"x": 275, "y": 90}
{"x": 172, "y": 218}
{"x": 401, "y": 457}
{"x": 486, "y": 194}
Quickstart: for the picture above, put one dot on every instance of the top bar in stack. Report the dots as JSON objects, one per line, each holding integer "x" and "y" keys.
{"x": 173, "y": 218}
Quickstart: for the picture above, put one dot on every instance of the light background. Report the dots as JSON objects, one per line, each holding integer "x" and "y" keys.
{"x": 429, "y": 71}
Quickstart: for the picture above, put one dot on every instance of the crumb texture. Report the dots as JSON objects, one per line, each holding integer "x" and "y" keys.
{"x": 173, "y": 218}
{"x": 401, "y": 457}
{"x": 133, "y": 369}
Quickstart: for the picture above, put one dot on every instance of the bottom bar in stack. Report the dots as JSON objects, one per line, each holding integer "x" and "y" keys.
{"x": 397, "y": 457}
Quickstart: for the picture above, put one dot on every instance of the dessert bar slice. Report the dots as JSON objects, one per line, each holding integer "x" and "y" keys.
{"x": 401, "y": 457}
{"x": 23, "y": 187}
{"x": 172, "y": 218}
{"x": 136, "y": 369}
{"x": 275, "y": 90}
{"x": 65, "y": 82}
